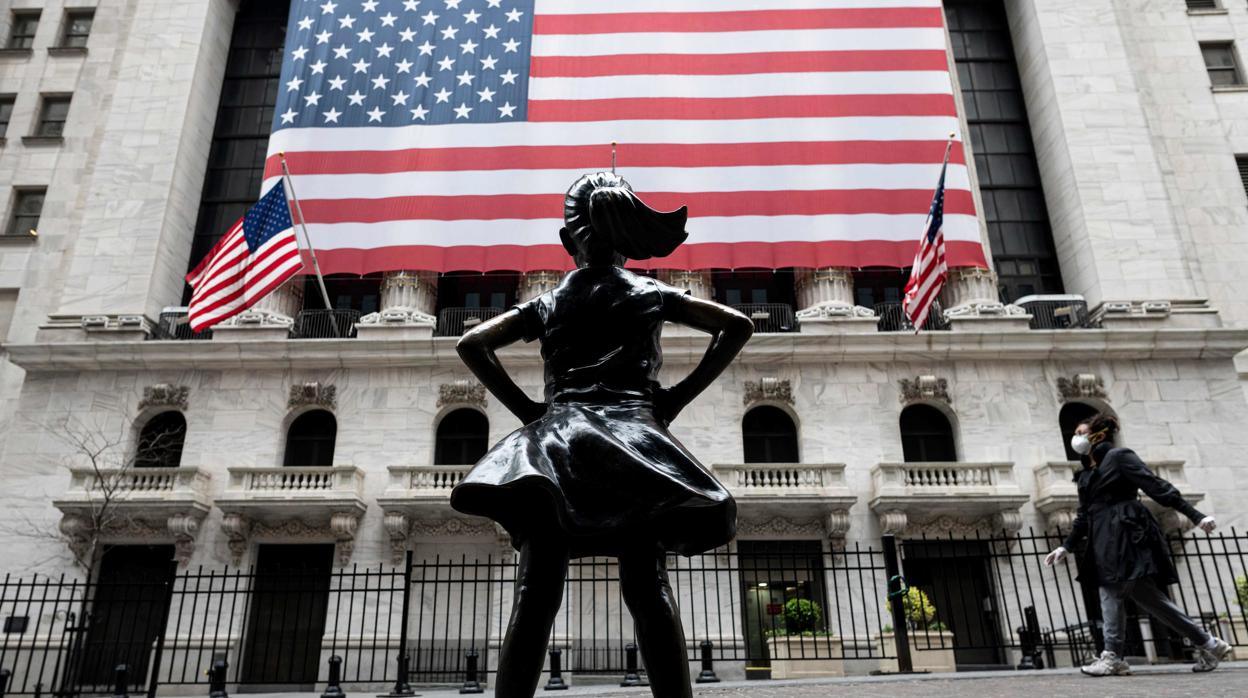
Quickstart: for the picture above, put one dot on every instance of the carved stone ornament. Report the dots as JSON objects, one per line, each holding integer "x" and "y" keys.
{"x": 398, "y": 528}
{"x": 313, "y": 394}
{"x": 898, "y": 523}
{"x": 780, "y": 526}
{"x": 1082, "y": 386}
{"x": 182, "y": 528}
{"x": 924, "y": 388}
{"x": 342, "y": 527}
{"x": 769, "y": 389}
{"x": 461, "y": 392}
{"x": 165, "y": 395}
{"x": 453, "y": 528}
{"x": 1061, "y": 519}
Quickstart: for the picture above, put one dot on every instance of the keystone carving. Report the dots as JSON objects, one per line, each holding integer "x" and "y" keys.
{"x": 769, "y": 389}
{"x": 924, "y": 388}
{"x": 313, "y": 394}
{"x": 1082, "y": 385}
{"x": 461, "y": 392}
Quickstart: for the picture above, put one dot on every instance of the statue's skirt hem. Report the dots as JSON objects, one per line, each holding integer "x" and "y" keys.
{"x": 607, "y": 477}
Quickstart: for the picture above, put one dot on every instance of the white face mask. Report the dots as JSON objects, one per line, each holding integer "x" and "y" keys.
{"x": 1079, "y": 444}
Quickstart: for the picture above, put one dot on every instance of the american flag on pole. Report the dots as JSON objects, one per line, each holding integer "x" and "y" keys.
{"x": 441, "y": 134}
{"x": 257, "y": 254}
{"x": 929, "y": 271}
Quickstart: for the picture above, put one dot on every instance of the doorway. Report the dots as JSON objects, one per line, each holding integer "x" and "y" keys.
{"x": 776, "y": 574}
{"x": 290, "y": 598}
{"x": 124, "y": 619}
{"x": 957, "y": 577}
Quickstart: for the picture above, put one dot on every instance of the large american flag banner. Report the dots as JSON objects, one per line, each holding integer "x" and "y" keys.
{"x": 441, "y": 134}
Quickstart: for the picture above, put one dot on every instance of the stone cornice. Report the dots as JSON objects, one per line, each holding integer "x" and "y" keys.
{"x": 1127, "y": 344}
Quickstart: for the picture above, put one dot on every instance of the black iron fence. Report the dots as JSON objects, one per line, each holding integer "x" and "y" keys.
{"x": 323, "y": 323}
{"x": 771, "y": 608}
{"x": 893, "y": 318}
{"x": 453, "y": 322}
{"x": 770, "y": 317}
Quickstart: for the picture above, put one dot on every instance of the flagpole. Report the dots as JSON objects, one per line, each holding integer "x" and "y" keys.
{"x": 316, "y": 267}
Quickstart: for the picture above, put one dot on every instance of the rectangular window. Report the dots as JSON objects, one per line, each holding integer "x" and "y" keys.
{"x": 52, "y": 115}
{"x": 1202, "y": 4}
{"x": 1221, "y": 64}
{"x": 6, "y": 113}
{"x": 22, "y": 33}
{"x": 77, "y": 28}
{"x": 27, "y": 207}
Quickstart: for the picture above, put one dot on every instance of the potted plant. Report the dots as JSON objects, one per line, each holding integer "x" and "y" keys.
{"x": 931, "y": 643}
{"x": 799, "y": 647}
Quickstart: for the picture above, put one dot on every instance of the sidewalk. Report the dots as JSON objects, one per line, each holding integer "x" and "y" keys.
{"x": 1166, "y": 681}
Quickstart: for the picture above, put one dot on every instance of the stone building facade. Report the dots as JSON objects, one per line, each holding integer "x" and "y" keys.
{"x": 1133, "y": 127}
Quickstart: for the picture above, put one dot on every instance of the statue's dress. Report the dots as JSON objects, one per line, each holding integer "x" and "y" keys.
{"x": 598, "y": 467}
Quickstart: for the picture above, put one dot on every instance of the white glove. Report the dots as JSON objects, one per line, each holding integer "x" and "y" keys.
{"x": 1207, "y": 524}
{"x": 1055, "y": 557}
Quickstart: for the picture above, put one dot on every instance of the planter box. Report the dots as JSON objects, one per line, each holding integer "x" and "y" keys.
{"x": 1235, "y": 631}
{"x": 805, "y": 657}
{"x": 929, "y": 651}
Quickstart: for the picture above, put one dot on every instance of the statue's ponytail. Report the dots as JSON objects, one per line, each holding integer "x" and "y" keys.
{"x": 601, "y": 211}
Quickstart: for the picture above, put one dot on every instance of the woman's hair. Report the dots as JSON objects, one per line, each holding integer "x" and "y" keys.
{"x": 1102, "y": 422}
{"x": 603, "y": 218}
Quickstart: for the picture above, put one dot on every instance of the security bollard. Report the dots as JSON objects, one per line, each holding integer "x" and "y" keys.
{"x": 4, "y": 681}
{"x": 556, "y": 671}
{"x": 120, "y": 682}
{"x": 1029, "y": 640}
{"x": 631, "y": 677}
{"x": 471, "y": 684}
{"x": 216, "y": 679}
{"x": 401, "y": 687}
{"x": 708, "y": 664}
{"x": 333, "y": 688}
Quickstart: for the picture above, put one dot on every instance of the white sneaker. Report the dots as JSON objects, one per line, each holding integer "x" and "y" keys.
{"x": 1108, "y": 664}
{"x": 1207, "y": 660}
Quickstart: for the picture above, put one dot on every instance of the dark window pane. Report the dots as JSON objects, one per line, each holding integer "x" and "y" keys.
{"x": 77, "y": 28}
{"x": 463, "y": 436}
{"x": 926, "y": 435}
{"x": 27, "y": 207}
{"x": 160, "y": 441}
{"x": 52, "y": 116}
{"x": 310, "y": 440}
{"x": 22, "y": 31}
{"x": 769, "y": 436}
{"x": 6, "y": 112}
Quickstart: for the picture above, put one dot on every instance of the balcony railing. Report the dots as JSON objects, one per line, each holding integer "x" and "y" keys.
{"x": 138, "y": 484}
{"x": 780, "y": 479}
{"x": 326, "y": 324}
{"x": 893, "y": 318}
{"x": 425, "y": 480}
{"x": 453, "y": 322}
{"x": 770, "y": 317}
{"x": 175, "y": 324}
{"x": 968, "y": 491}
{"x": 1057, "y": 312}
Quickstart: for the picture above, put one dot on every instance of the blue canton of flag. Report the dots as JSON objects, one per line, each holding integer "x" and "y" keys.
{"x": 269, "y": 217}
{"x": 936, "y": 214}
{"x": 404, "y": 62}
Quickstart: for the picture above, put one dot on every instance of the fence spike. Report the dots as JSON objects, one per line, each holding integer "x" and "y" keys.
{"x": 631, "y": 677}
{"x": 471, "y": 684}
{"x": 556, "y": 682}
{"x": 708, "y": 664}
{"x": 333, "y": 688}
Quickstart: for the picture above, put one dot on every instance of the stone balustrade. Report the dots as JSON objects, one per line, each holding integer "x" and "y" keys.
{"x": 435, "y": 481}
{"x": 419, "y": 496}
{"x": 919, "y": 496}
{"x": 135, "y": 505}
{"x": 784, "y": 498}
{"x": 297, "y": 481}
{"x": 781, "y": 479}
{"x": 1057, "y": 497}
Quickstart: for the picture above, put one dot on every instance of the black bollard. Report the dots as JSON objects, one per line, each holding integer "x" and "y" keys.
{"x": 120, "y": 683}
{"x": 333, "y": 688}
{"x": 1029, "y": 641}
{"x": 471, "y": 684}
{"x": 216, "y": 679}
{"x": 708, "y": 664}
{"x": 631, "y": 677}
{"x": 4, "y": 681}
{"x": 556, "y": 671}
{"x": 402, "y": 689}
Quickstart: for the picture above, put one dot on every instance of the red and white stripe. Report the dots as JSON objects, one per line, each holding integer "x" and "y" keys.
{"x": 927, "y": 278}
{"x": 798, "y": 132}
{"x": 230, "y": 279}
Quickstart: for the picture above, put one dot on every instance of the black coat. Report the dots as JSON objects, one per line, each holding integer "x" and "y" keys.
{"x": 1124, "y": 540}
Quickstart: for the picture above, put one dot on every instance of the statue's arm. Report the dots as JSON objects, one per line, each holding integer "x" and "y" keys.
{"x": 729, "y": 331}
{"x": 477, "y": 349}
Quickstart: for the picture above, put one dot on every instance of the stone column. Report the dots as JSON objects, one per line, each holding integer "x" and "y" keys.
{"x": 409, "y": 301}
{"x": 535, "y": 283}
{"x": 698, "y": 282}
{"x": 272, "y": 317}
{"x": 972, "y": 303}
{"x": 825, "y": 298}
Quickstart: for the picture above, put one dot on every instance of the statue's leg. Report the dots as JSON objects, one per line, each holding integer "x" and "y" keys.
{"x": 648, "y": 593}
{"x": 539, "y": 591}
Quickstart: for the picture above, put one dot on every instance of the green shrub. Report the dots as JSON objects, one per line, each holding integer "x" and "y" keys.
{"x": 920, "y": 611}
{"x": 802, "y": 616}
{"x": 1241, "y": 592}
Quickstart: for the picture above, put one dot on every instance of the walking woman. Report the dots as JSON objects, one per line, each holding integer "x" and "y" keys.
{"x": 594, "y": 471}
{"x": 1126, "y": 551}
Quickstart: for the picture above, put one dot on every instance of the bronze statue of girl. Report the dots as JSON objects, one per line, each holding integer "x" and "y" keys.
{"x": 594, "y": 470}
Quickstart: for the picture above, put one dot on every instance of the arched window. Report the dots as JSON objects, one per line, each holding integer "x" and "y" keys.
{"x": 463, "y": 436}
{"x": 926, "y": 435}
{"x": 1072, "y": 413}
{"x": 160, "y": 441}
{"x": 310, "y": 440}
{"x": 769, "y": 435}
